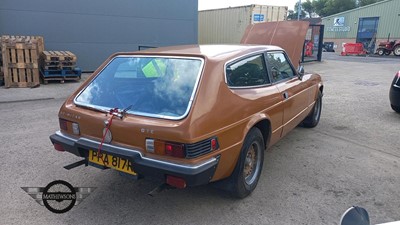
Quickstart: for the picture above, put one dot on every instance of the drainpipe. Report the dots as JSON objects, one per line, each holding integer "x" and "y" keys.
{"x": 299, "y": 10}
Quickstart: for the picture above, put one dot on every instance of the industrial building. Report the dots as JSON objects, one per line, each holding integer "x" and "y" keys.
{"x": 227, "y": 25}
{"x": 93, "y": 30}
{"x": 368, "y": 25}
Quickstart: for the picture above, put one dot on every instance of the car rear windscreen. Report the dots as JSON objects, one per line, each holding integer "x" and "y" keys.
{"x": 162, "y": 87}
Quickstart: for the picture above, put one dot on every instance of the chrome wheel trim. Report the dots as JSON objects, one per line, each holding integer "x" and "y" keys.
{"x": 252, "y": 163}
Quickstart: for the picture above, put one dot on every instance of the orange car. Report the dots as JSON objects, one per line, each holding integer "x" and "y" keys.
{"x": 189, "y": 115}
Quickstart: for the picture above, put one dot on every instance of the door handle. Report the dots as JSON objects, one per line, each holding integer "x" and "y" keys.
{"x": 285, "y": 95}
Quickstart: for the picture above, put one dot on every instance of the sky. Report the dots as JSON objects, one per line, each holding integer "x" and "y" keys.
{"x": 215, "y": 4}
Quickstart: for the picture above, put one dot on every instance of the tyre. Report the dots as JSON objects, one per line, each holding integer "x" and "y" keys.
{"x": 380, "y": 51}
{"x": 387, "y": 52}
{"x": 312, "y": 119}
{"x": 248, "y": 168}
{"x": 396, "y": 50}
{"x": 395, "y": 108}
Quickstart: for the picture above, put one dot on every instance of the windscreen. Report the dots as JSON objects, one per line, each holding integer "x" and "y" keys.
{"x": 150, "y": 86}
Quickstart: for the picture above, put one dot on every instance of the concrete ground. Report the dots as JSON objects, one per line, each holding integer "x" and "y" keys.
{"x": 310, "y": 177}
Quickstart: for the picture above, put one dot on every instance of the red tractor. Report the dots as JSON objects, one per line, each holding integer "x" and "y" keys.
{"x": 386, "y": 47}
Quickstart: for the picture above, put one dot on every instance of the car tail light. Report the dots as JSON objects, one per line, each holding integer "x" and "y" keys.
{"x": 176, "y": 182}
{"x": 175, "y": 150}
{"x": 63, "y": 124}
{"x": 165, "y": 148}
{"x": 58, "y": 147}
{"x": 398, "y": 74}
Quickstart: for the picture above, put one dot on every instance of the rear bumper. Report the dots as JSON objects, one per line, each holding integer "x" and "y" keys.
{"x": 193, "y": 174}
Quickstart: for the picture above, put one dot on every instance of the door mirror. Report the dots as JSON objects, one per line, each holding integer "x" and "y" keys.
{"x": 355, "y": 216}
{"x": 300, "y": 72}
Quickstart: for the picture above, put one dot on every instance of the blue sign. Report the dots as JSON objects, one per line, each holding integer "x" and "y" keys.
{"x": 258, "y": 17}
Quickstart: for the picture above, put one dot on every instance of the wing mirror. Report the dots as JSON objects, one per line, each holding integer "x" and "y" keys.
{"x": 300, "y": 72}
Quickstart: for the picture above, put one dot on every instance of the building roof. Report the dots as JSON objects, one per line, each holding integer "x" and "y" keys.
{"x": 243, "y": 6}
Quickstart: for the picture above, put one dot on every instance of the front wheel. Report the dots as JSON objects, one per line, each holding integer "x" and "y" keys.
{"x": 312, "y": 119}
{"x": 248, "y": 168}
{"x": 381, "y": 51}
{"x": 396, "y": 50}
{"x": 387, "y": 52}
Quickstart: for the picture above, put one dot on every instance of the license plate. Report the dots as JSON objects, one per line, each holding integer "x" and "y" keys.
{"x": 114, "y": 162}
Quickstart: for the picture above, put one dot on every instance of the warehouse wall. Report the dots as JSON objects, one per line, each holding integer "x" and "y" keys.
{"x": 95, "y": 29}
{"x": 389, "y": 20}
{"x": 227, "y": 25}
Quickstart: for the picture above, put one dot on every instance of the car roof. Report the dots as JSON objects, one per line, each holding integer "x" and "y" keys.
{"x": 211, "y": 52}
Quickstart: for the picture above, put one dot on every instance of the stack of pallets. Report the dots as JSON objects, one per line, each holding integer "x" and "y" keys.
{"x": 20, "y": 60}
{"x": 59, "y": 65}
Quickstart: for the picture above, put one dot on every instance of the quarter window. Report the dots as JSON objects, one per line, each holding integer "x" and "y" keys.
{"x": 280, "y": 66}
{"x": 247, "y": 72}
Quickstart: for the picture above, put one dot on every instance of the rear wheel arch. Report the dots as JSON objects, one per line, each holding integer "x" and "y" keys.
{"x": 265, "y": 127}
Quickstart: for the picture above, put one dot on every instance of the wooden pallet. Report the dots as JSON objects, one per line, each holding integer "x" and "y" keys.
{"x": 57, "y": 60}
{"x": 48, "y": 66}
{"x": 60, "y": 78}
{"x": 58, "y": 56}
{"x": 20, "y": 60}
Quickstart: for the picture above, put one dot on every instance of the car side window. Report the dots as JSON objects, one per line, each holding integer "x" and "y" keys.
{"x": 247, "y": 72}
{"x": 280, "y": 66}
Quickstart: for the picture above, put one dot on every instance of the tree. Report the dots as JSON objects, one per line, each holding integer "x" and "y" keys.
{"x": 330, "y": 7}
{"x": 319, "y": 7}
{"x": 337, "y": 6}
{"x": 308, "y": 7}
{"x": 327, "y": 7}
{"x": 293, "y": 15}
{"x": 366, "y": 2}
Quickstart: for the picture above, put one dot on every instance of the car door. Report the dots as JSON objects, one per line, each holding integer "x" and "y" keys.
{"x": 293, "y": 91}
{"x": 248, "y": 78}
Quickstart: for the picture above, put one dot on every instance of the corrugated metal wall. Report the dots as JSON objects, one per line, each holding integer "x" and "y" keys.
{"x": 389, "y": 20}
{"x": 223, "y": 25}
{"x": 95, "y": 29}
{"x": 227, "y": 26}
{"x": 270, "y": 13}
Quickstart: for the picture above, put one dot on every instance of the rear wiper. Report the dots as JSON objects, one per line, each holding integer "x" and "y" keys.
{"x": 120, "y": 113}
{"x": 123, "y": 112}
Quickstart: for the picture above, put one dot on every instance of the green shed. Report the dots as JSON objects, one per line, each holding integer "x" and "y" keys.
{"x": 369, "y": 25}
